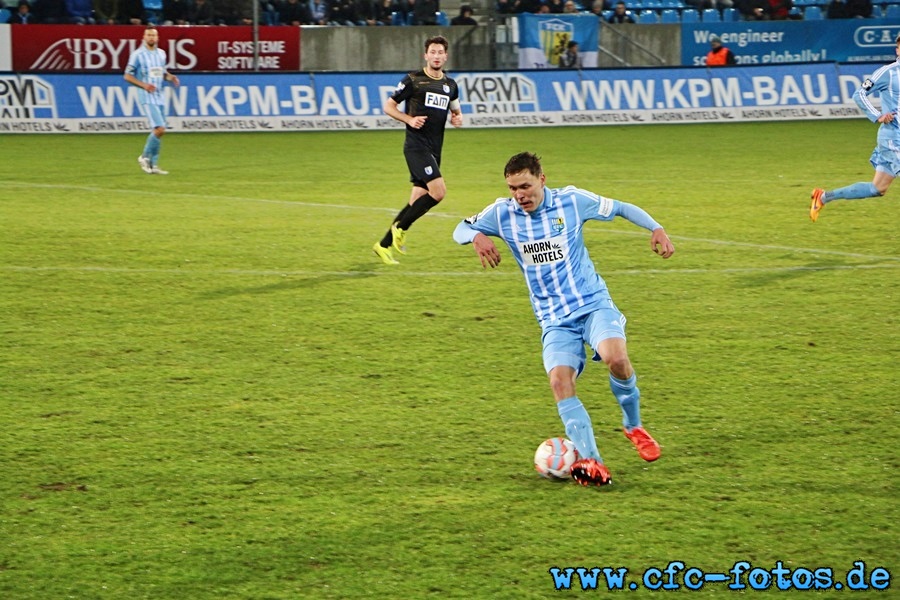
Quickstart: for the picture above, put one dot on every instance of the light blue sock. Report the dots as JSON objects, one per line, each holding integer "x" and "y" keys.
{"x": 629, "y": 397}
{"x": 153, "y": 144}
{"x": 149, "y": 145}
{"x": 578, "y": 427}
{"x": 853, "y": 191}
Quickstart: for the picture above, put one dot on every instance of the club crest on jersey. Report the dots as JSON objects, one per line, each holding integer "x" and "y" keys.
{"x": 544, "y": 252}
{"x": 433, "y": 100}
{"x": 429, "y": 170}
{"x": 446, "y": 89}
{"x": 557, "y": 225}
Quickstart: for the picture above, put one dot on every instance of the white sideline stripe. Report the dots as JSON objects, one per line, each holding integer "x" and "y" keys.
{"x": 93, "y": 189}
{"x": 268, "y": 273}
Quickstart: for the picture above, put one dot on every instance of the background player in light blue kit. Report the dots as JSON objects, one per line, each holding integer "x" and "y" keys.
{"x": 886, "y": 157}
{"x": 543, "y": 229}
{"x": 147, "y": 70}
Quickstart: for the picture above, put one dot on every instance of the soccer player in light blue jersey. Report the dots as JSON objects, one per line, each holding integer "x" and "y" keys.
{"x": 885, "y": 82}
{"x": 543, "y": 229}
{"x": 147, "y": 70}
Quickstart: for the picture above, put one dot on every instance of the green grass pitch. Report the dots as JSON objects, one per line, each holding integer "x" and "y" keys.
{"x": 211, "y": 389}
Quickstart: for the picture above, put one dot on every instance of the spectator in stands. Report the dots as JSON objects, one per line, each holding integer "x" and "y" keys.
{"x": 80, "y": 12}
{"x": 50, "y": 12}
{"x": 719, "y": 55}
{"x": 780, "y": 10}
{"x": 384, "y": 11}
{"x": 425, "y": 12}
{"x": 850, "y": 9}
{"x": 175, "y": 12}
{"x": 569, "y": 58}
{"x": 366, "y": 11}
{"x": 570, "y": 8}
{"x": 703, "y": 4}
{"x": 527, "y": 6}
{"x": 597, "y": 9}
{"x": 753, "y": 10}
{"x": 504, "y": 7}
{"x": 555, "y": 6}
{"x": 23, "y": 15}
{"x": 621, "y": 14}
{"x": 318, "y": 12}
{"x": 203, "y": 13}
{"x": 131, "y": 11}
{"x": 106, "y": 12}
{"x": 342, "y": 12}
{"x": 294, "y": 13}
{"x": 232, "y": 12}
{"x": 464, "y": 17}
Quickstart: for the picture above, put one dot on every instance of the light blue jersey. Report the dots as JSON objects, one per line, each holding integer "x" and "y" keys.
{"x": 150, "y": 67}
{"x": 549, "y": 246}
{"x": 885, "y": 82}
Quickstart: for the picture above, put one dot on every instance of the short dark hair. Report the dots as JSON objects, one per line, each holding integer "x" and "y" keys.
{"x": 438, "y": 39}
{"x": 523, "y": 161}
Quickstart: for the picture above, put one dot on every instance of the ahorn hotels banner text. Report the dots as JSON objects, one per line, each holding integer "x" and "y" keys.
{"x": 51, "y": 103}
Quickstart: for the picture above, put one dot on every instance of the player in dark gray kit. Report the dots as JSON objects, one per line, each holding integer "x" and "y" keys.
{"x": 429, "y": 95}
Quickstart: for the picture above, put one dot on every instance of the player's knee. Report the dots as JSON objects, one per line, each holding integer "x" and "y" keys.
{"x": 619, "y": 365}
{"x": 562, "y": 382}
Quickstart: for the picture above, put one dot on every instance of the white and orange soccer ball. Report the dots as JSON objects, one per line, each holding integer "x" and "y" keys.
{"x": 554, "y": 457}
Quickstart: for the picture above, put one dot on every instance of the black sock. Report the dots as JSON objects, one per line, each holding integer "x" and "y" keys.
{"x": 418, "y": 209}
{"x": 388, "y": 238}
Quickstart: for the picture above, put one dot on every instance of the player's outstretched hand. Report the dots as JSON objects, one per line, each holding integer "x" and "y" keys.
{"x": 661, "y": 244}
{"x": 486, "y": 250}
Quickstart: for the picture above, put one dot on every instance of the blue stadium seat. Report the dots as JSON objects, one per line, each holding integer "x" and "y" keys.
{"x": 397, "y": 19}
{"x": 876, "y": 12}
{"x": 711, "y": 15}
{"x": 442, "y": 19}
{"x": 813, "y": 13}
{"x": 648, "y": 17}
{"x": 5, "y": 15}
{"x": 690, "y": 15}
{"x": 892, "y": 11}
{"x": 670, "y": 15}
{"x": 674, "y": 4}
{"x": 731, "y": 15}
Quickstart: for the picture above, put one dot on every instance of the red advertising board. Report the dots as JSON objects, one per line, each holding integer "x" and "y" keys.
{"x": 107, "y": 47}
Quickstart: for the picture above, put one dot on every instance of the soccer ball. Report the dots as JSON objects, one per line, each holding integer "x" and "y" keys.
{"x": 554, "y": 457}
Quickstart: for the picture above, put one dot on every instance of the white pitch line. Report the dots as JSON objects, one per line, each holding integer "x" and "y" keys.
{"x": 397, "y": 271}
{"x": 93, "y": 189}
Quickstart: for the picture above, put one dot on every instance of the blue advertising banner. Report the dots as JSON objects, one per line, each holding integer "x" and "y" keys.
{"x": 103, "y": 103}
{"x": 542, "y": 38}
{"x": 775, "y": 42}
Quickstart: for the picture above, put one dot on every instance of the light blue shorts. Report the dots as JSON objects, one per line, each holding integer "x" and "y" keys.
{"x": 564, "y": 343}
{"x": 155, "y": 114}
{"x": 886, "y": 157}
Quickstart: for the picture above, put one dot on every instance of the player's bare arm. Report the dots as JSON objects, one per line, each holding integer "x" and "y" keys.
{"x": 486, "y": 251}
{"x": 456, "y": 118}
{"x": 173, "y": 79}
{"x": 391, "y": 110}
{"x": 135, "y": 81}
{"x": 661, "y": 244}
